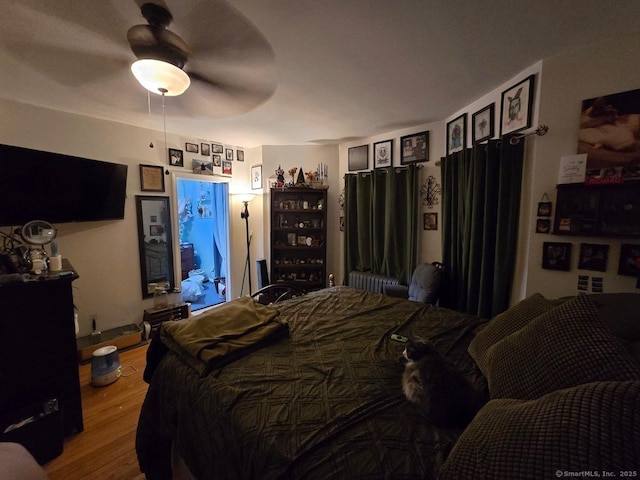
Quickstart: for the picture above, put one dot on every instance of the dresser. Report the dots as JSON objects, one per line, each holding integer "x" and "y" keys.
{"x": 38, "y": 357}
{"x": 187, "y": 259}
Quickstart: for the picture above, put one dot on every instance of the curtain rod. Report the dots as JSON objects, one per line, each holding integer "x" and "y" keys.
{"x": 382, "y": 170}
{"x": 540, "y": 131}
{"x": 515, "y": 139}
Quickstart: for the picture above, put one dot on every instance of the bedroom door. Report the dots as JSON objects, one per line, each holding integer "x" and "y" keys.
{"x": 202, "y": 233}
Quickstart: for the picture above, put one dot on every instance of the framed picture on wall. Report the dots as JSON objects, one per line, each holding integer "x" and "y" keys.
{"x": 383, "y": 154}
{"x": 483, "y": 124}
{"x": 240, "y": 155}
{"x": 151, "y": 178}
{"x": 229, "y": 154}
{"x": 543, "y": 225}
{"x": 414, "y": 148}
{"x": 629, "y": 263}
{"x": 516, "y": 109}
{"x": 226, "y": 167}
{"x": 205, "y": 149}
{"x": 430, "y": 221}
{"x": 256, "y": 177}
{"x": 202, "y": 167}
{"x": 217, "y": 148}
{"x": 217, "y": 160}
{"x": 556, "y": 256}
{"x": 191, "y": 147}
{"x": 457, "y": 134}
{"x": 593, "y": 257}
{"x": 359, "y": 158}
{"x": 175, "y": 157}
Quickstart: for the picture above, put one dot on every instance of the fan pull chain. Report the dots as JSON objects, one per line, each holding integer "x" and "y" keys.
{"x": 149, "y": 105}
{"x": 164, "y": 117}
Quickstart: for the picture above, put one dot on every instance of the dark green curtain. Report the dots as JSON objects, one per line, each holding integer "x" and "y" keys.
{"x": 381, "y": 209}
{"x": 480, "y": 210}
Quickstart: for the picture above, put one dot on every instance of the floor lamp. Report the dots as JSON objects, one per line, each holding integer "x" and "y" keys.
{"x": 245, "y": 198}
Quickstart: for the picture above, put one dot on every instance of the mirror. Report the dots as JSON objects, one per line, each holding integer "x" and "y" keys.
{"x": 38, "y": 232}
{"x": 154, "y": 239}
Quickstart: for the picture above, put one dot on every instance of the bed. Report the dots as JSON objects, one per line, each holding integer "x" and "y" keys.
{"x": 323, "y": 399}
{"x": 320, "y": 396}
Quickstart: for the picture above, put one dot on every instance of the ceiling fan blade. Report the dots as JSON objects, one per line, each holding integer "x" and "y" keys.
{"x": 233, "y": 38}
{"x": 95, "y": 50}
{"x": 209, "y": 99}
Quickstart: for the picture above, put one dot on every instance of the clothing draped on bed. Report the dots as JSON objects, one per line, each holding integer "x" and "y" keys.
{"x": 324, "y": 401}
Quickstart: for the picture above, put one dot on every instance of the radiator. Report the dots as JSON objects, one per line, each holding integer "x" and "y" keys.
{"x": 370, "y": 281}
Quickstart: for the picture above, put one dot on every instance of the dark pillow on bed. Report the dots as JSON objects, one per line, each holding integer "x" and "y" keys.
{"x": 592, "y": 427}
{"x": 621, "y": 311}
{"x": 567, "y": 346}
{"x": 506, "y": 323}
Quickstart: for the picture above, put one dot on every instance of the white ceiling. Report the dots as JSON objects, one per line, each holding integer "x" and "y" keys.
{"x": 293, "y": 71}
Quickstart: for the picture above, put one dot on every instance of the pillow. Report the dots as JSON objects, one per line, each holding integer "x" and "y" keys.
{"x": 567, "y": 346}
{"x": 506, "y": 323}
{"x": 592, "y": 427}
{"x": 621, "y": 311}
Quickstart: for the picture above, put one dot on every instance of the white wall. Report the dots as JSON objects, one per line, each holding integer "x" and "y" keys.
{"x": 562, "y": 83}
{"x": 429, "y": 241}
{"x": 105, "y": 254}
{"x": 599, "y": 69}
{"x": 306, "y": 157}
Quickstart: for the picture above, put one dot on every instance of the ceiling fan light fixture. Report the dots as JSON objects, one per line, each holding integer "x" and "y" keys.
{"x": 160, "y": 77}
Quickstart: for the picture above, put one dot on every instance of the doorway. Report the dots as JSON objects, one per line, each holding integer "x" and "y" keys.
{"x": 203, "y": 233}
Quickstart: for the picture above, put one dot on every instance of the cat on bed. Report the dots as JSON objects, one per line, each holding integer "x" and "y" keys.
{"x": 434, "y": 383}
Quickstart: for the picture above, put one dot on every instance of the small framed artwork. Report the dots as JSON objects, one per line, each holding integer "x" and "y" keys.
{"x": 229, "y": 154}
{"x": 191, "y": 147}
{"x": 430, "y": 221}
{"x": 414, "y": 148}
{"x": 516, "y": 109}
{"x": 202, "y": 167}
{"x": 226, "y": 167}
{"x": 240, "y": 155}
{"x": 256, "y": 177}
{"x": 556, "y": 256}
{"x": 217, "y": 160}
{"x": 543, "y": 225}
{"x": 483, "y": 124}
{"x": 544, "y": 209}
{"x": 593, "y": 257}
{"x": 205, "y": 149}
{"x": 175, "y": 157}
{"x": 629, "y": 263}
{"x": 359, "y": 158}
{"x": 151, "y": 178}
{"x": 383, "y": 154}
{"x": 217, "y": 148}
{"x": 457, "y": 134}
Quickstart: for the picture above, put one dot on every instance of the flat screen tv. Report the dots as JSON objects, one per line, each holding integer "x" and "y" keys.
{"x": 36, "y": 185}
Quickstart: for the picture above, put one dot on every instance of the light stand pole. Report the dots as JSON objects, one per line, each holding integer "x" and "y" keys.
{"x": 244, "y": 214}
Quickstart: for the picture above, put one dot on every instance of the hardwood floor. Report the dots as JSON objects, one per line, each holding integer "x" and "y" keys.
{"x": 106, "y": 448}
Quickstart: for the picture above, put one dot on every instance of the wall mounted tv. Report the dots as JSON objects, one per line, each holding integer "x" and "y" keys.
{"x": 36, "y": 185}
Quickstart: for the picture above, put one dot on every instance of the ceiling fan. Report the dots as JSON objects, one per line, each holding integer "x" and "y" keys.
{"x": 88, "y": 47}
{"x": 161, "y": 53}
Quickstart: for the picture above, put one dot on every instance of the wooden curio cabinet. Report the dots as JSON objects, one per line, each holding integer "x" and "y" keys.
{"x": 299, "y": 237}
